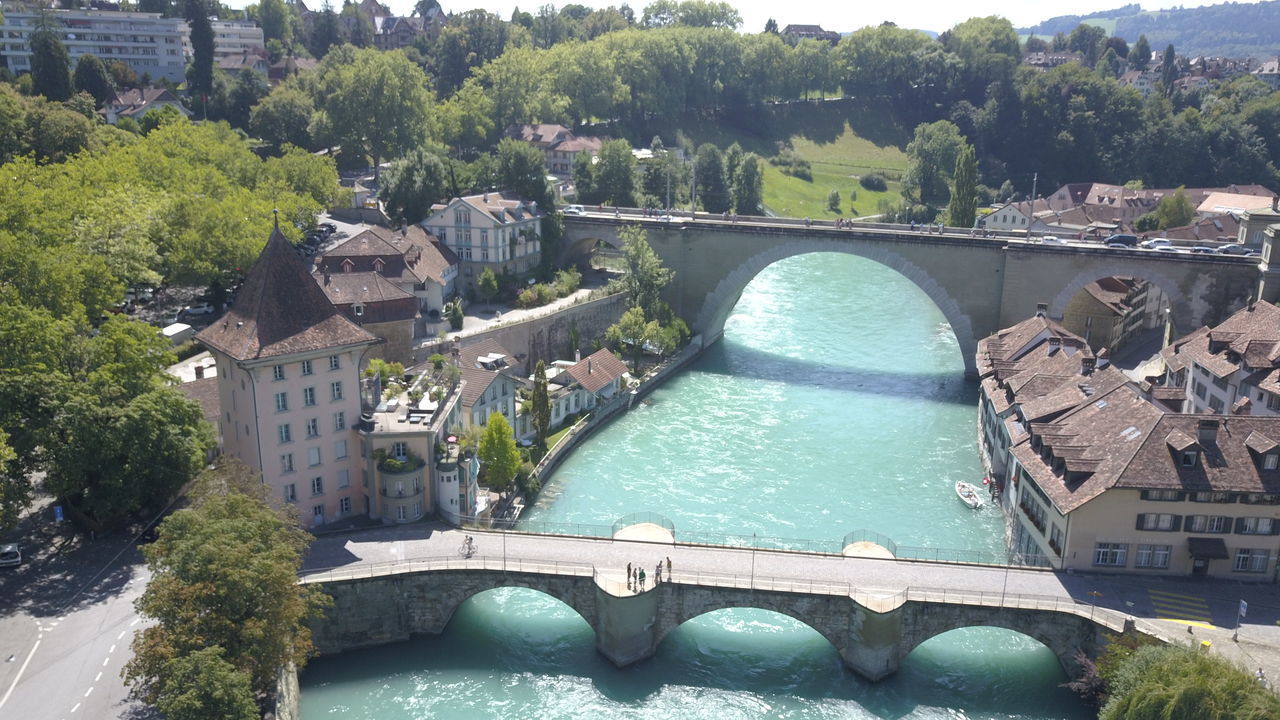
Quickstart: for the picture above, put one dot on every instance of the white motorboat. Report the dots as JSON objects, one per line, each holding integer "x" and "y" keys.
{"x": 968, "y": 494}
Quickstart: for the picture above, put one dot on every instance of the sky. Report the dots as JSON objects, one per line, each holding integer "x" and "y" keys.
{"x": 842, "y": 15}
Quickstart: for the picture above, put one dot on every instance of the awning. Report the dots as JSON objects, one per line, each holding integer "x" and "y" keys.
{"x": 1207, "y": 548}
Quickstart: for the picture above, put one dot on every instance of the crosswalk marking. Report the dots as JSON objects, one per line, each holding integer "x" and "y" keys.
{"x": 1179, "y": 607}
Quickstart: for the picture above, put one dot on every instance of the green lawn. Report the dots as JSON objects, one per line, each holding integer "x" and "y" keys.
{"x": 836, "y": 165}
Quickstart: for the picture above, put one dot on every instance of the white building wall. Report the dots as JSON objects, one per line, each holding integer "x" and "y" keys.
{"x": 146, "y": 42}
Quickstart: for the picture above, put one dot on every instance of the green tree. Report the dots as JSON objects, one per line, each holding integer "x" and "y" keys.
{"x": 963, "y": 210}
{"x": 708, "y": 172}
{"x": 455, "y": 316}
{"x": 122, "y": 76}
{"x": 224, "y": 574}
{"x": 499, "y": 456}
{"x": 50, "y": 66}
{"x": 748, "y": 187}
{"x": 1162, "y": 682}
{"x": 833, "y": 201}
{"x": 246, "y": 92}
{"x": 359, "y": 29}
{"x": 273, "y": 16}
{"x": 541, "y": 405}
{"x": 372, "y": 103}
{"x": 200, "y": 73}
{"x": 932, "y": 155}
{"x": 1172, "y": 211}
{"x": 326, "y": 33}
{"x": 1140, "y": 54}
{"x": 632, "y": 333}
{"x": 771, "y": 26}
{"x": 55, "y": 132}
{"x": 615, "y": 174}
{"x": 522, "y": 170}
{"x": 204, "y": 685}
{"x": 91, "y": 76}
{"x": 646, "y": 277}
{"x": 412, "y": 184}
{"x": 1168, "y": 70}
{"x": 1089, "y": 40}
{"x": 284, "y": 117}
{"x": 487, "y": 285}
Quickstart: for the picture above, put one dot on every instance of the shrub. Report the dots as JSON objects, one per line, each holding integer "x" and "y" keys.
{"x": 792, "y": 164}
{"x": 455, "y": 316}
{"x": 833, "y": 201}
{"x": 437, "y": 361}
{"x": 874, "y": 182}
{"x": 188, "y": 349}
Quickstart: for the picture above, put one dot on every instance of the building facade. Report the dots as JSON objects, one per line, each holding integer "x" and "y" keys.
{"x": 1232, "y": 368}
{"x": 498, "y": 231}
{"x": 146, "y": 42}
{"x": 1109, "y": 311}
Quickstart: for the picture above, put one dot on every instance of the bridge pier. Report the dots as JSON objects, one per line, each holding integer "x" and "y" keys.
{"x": 874, "y": 638}
{"x": 626, "y": 627}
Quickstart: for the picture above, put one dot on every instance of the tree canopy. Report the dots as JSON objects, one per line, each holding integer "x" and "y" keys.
{"x": 499, "y": 456}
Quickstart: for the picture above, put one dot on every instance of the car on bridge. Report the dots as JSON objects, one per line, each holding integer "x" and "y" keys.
{"x": 1053, "y": 240}
{"x": 1203, "y": 249}
{"x": 1120, "y": 240}
{"x": 1236, "y": 249}
{"x": 1155, "y": 243}
{"x": 574, "y": 210}
{"x": 1168, "y": 249}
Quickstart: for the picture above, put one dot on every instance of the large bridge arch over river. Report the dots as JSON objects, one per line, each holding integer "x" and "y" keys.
{"x": 980, "y": 284}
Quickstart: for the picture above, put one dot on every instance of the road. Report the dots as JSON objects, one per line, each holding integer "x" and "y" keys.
{"x": 66, "y": 624}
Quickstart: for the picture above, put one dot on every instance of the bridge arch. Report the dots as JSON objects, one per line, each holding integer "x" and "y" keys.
{"x": 719, "y": 303}
{"x": 822, "y": 614}
{"x": 571, "y": 591}
{"x": 1181, "y": 311}
{"x": 1063, "y": 633}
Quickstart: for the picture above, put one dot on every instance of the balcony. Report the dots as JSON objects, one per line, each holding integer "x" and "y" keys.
{"x": 392, "y": 465}
{"x": 397, "y": 494}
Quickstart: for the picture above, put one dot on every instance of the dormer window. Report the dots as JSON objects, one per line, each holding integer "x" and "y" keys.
{"x": 378, "y": 265}
{"x": 348, "y": 266}
{"x": 1270, "y": 461}
{"x": 1189, "y": 458}
{"x": 358, "y": 309}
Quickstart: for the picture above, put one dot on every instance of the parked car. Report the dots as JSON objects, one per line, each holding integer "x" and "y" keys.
{"x": 1168, "y": 249}
{"x": 203, "y": 308}
{"x": 574, "y": 210}
{"x": 1234, "y": 249}
{"x": 10, "y": 555}
{"x": 1119, "y": 246}
{"x": 329, "y": 227}
{"x": 1120, "y": 239}
{"x": 1053, "y": 240}
{"x": 1154, "y": 243}
{"x": 1203, "y": 249}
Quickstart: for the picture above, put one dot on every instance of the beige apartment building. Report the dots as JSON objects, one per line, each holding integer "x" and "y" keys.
{"x": 499, "y": 231}
{"x": 1095, "y": 476}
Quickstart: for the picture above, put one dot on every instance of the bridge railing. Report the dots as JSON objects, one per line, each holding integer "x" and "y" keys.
{"x": 497, "y": 563}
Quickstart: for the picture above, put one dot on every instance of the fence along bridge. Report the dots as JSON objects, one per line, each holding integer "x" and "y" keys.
{"x": 873, "y": 610}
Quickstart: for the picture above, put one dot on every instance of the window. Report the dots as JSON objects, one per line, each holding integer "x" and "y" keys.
{"x": 399, "y": 450}
{"x": 339, "y": 421}
{"x": 335, "y": 390}
{"x": 1273, "y": 401}
{"x": 344, "y": 506}
{"x": 1198, "y": 389}
{"x": 286, "y": 462}
{"x": 1212, "y": 497}
{"x": 1251, "y": 560}
{"x": 400, "y": 513}
{"x": 339, "y": 449}
{"x": 1110, "y": 554}
{"x": 277, "y": 372}
{"x": 290, "y": 493}
{"x": 344, "y": 478}
{"x": 1215, "y": 403}
{"x": 313, "y": 427}
{"x": 283, "y": 432}
{"x": 1055, "y": 539}
{"x": 1256, "y": 526}
{"x": 1162, "y": 495}
{"x": 306, "y": 367}
{"x": 282, "y": 402}
{"x": 1157, "y": 521}
{"x": 335, "y": 362}
{"x": 1269, "y": 461}
{"x": 1208, "y": 523}
{"x": 313, "y": 457}
{"x": 1189, "y": 458}
{"x": 317, "y": 513}
{"x": 317, "y": 486}
{"x": 1152, "y": 556}
{"x": 308, "y": 396}
{"x": 358, "y": 309}
{"x": 1220, "y": 383}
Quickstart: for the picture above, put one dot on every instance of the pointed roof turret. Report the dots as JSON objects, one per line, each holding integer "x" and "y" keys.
{"x": 280, "y": 310}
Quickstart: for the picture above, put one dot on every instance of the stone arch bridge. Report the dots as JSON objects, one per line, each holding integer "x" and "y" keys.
{"x": 979, "y": 284}
{"x": 872, "y": 631}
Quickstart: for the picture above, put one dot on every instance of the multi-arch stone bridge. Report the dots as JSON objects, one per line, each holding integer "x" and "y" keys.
{"x": 872, "y": 629}
{"x": 980, "y": 284}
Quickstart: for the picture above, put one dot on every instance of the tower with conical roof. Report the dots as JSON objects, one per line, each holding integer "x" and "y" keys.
{"x": 288, "y": 381}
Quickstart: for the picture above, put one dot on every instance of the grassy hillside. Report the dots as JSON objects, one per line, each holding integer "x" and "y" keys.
{"x": 841, "y": 139}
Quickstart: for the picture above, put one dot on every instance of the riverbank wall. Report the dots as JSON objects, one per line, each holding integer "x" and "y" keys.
{"x": 545, "y": 337}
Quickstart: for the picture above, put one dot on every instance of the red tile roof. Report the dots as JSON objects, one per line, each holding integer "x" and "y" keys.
{"x": 596, "y": 371}
{"x": 280, "y": 310}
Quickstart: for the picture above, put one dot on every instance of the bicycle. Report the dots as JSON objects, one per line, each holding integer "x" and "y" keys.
{"x": 468, "y": 548}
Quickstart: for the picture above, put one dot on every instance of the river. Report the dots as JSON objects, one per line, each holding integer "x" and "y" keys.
{"x": 836, "y": 402}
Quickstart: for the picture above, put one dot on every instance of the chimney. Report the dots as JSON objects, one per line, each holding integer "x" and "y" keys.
{"x": 588, "y": 366}
{"x": 1207, "y": 432}
{"x": 577, "y": 354}
{"x": 199, "y": 372}
{"x": 326, "y": 277}
{"x": 1042, "y": 309}
{"x": 1275, "y": 203}
{"x": 1087, "y": 365}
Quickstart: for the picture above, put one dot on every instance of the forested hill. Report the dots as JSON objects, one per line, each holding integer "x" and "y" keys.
{"x": 1230, "y": 29}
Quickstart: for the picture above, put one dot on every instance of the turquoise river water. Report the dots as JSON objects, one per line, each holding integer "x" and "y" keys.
{"x": 836, "y": 402}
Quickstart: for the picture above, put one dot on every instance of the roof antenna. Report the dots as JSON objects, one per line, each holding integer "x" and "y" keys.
{"x": 275, "y": 213}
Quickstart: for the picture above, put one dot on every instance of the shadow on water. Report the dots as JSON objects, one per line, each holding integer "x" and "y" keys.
{"x": 506, "y": 638}
{"x": 747, "y": 362}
